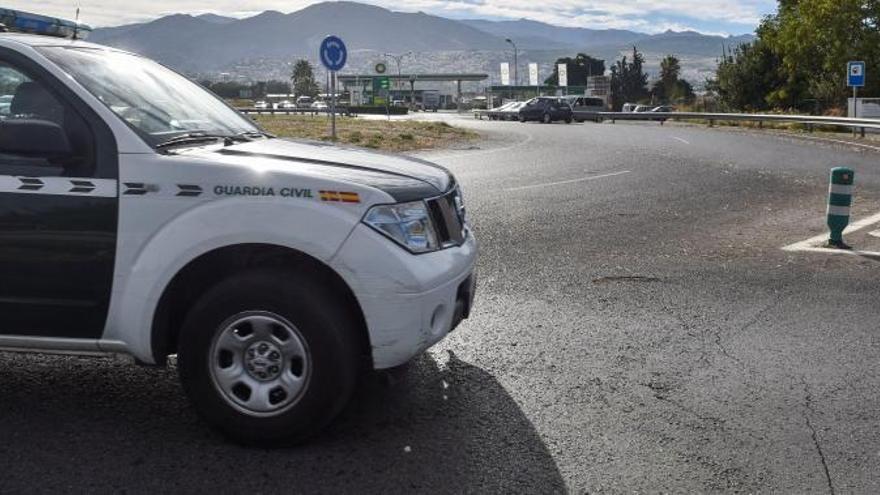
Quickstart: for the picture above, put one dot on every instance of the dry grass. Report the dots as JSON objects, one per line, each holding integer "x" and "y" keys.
{"x": 394, "y": 135}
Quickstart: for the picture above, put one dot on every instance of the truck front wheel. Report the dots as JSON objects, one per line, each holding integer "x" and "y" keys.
{"x": 268, "y": 358}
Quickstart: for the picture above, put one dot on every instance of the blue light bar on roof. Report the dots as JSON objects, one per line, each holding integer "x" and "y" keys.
{"x": 26, "y": 22}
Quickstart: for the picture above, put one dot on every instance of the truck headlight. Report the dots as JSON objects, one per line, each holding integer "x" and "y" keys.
{"x": 408, "y": 224}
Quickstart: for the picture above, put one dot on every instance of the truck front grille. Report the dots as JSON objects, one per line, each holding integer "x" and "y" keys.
{"x": 448, "y": 215}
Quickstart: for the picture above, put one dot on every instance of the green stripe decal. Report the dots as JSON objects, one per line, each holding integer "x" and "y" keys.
{"x": 839, "y": 199}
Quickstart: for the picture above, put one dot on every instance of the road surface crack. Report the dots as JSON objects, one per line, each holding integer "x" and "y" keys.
{"x": 719, "y": 342}
{"x": 808, "y": 405}
{"x": 625, "y": 278}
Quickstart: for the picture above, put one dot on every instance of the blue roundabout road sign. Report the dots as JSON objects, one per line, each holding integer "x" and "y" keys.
{"x": 333, "y": 53}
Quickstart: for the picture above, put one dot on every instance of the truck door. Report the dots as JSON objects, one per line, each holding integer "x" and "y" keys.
{"x": 58, "y": 207}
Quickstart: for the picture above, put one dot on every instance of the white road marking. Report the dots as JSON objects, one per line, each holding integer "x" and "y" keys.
{"x": 680, "y": 139}
{"x": 876, "y": 233}
{"x": 572, "y": 181}
{"x": 814, "y": 244}
{"x": 829, "y": 140}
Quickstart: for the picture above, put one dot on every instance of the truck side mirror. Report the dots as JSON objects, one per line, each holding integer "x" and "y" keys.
{"x": 33, "y": 137}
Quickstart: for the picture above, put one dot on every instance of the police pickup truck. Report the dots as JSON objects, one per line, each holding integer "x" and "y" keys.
{"x": 141, "y": 215}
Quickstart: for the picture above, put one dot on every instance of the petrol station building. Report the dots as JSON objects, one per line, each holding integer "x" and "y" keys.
{"x": 381, "y": 89}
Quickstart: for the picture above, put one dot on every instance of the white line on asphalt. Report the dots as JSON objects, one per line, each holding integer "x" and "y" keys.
{"x": 814, "y": 244}
{"x": 829, "y": 140}
{"x": 572, "y": 181}
{"x": 680, "y": 139}
{"x": 876, "y": 233}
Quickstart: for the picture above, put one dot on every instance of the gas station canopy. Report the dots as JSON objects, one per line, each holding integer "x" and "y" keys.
{"x": 354, "y": 78}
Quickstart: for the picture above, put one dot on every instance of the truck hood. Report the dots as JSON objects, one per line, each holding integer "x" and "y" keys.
{"x": 403, "y": 178}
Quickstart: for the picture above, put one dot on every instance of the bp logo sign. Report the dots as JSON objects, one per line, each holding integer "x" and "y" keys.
{"x": 380, "y": 68}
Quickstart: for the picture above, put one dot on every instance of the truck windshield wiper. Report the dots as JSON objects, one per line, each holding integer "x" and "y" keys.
{"x": 197, "y": 137}
{"x": 190, "y": 138}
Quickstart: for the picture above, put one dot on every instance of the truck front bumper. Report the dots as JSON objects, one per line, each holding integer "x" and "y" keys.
{"x": 410, "y": 302}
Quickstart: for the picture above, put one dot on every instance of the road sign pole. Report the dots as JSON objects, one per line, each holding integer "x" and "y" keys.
{"x": 855, "y": 105}
{"x": 855, "y": 78}
{"x": 333, "y": 105}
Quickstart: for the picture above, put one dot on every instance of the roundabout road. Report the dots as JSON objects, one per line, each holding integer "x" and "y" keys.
{"x": 638, "y": 328}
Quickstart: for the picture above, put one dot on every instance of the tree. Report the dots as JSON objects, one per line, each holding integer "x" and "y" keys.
{"x": 800, "y": 56}
{"x": 670, "y": 70}
{"x": 749, "y": 79}
{"x": 303, "y": 78}
{"x": 815, "y": 39}
{"x": 629, "y": 83}
{"x": 277, "y": 87}
{"x": 226, "y": 89}
{"x": 670, "y": 88}
{"x": 580, "y": 68}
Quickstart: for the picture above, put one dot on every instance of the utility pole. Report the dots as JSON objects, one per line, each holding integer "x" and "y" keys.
{"x": 515, "y": 64}
{"x": 398, "y": 59}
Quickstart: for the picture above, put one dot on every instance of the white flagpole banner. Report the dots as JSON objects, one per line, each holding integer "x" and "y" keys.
{"x": 505, "y": 74}
{"x": 533, "y": 74}
{"x": 563, "y": 75}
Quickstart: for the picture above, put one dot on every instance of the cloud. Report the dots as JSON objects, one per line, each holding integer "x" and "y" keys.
{"x": 642, "y": 15}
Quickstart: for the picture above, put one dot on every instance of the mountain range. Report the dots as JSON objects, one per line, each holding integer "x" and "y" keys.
{"x": 210, "y": 43}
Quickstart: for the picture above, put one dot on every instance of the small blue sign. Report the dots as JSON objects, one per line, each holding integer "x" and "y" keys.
{"x": 333, "y": 53}
{"x": 855, "y": 74}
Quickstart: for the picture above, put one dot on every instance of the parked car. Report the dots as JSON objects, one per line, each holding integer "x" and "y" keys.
{"x": 286, "y": 105}
{"x": 319, "y": 105}
{"x": 629, "y": 107}
{"x": 663, "y": 109}
{"x": 304, "y": 101}
{"x": 512, "y": 113}
{"x": 546, "y": 110}
{"x": 501, "y": 112}
{"x": 586, "y": 104}
{"x": 261, "y": 105}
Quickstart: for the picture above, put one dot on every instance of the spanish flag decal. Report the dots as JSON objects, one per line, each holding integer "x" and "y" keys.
{"x": 340, "y": 196}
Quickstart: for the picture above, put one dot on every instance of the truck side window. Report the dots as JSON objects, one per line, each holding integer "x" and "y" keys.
{"x": 28, "y": 108}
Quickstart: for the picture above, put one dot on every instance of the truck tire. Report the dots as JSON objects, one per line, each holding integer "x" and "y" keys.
{"x": 268, "y": 358}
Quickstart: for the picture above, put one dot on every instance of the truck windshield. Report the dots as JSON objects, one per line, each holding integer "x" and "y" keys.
{"x": 157, "y": 102}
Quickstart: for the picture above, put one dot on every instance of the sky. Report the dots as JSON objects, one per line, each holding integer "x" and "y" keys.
{"x": 650, "y": 16}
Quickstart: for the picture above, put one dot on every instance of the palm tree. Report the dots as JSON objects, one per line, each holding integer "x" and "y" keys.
{"x": 303, "y": 78}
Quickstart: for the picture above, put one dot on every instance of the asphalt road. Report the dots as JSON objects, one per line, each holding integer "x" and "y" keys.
{"x": 638, "y": 328}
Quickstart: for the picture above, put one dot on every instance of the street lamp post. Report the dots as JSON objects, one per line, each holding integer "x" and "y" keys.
{"x": 398, "y": 59}
{"x": 515, "y": 64}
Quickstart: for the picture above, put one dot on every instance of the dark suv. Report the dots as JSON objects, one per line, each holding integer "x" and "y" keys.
{"x": 546, "y": 110}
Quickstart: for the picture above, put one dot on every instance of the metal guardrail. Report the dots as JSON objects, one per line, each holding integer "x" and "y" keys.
{"x": 809, "y": 120}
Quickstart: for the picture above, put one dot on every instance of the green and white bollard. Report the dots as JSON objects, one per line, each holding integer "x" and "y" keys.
{"x": 839, "y": 201}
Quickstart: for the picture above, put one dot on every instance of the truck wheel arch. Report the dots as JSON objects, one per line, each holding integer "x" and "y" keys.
{"x": 213, "y": 266}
